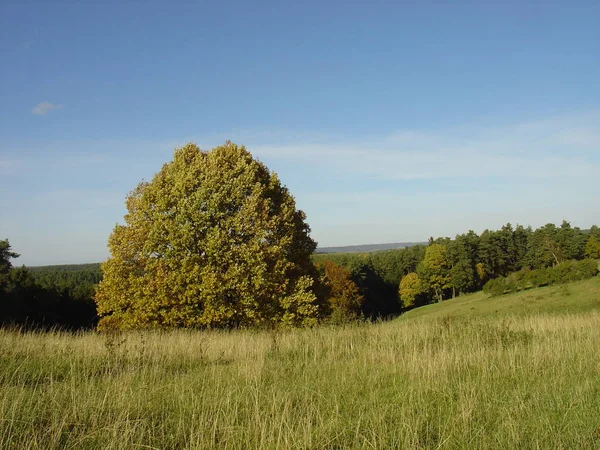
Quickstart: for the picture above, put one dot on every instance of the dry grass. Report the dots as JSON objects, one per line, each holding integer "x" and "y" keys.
{"x": 520, "y": 382}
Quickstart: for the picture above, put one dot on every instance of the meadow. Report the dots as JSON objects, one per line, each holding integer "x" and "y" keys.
{"x": 517, "y": 371}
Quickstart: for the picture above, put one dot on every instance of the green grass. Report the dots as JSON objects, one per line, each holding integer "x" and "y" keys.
{"x": 577, "y": 297}
{"x": 458, "y": 380}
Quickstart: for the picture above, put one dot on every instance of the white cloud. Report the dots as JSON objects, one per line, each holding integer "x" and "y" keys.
{"x": 410, "y": 184}
{"x": 567, "y": 147}
{"x": 44, "y": 108}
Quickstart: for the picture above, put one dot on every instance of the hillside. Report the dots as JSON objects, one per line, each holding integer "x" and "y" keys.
{"x": 89, "y": 267}
{"x": 576, "y": 297}
{"x": 530, "y": 382}
{"x": 367, "y": 247}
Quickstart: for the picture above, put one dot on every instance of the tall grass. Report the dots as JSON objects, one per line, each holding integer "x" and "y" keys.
{"x": 521, "y": 382}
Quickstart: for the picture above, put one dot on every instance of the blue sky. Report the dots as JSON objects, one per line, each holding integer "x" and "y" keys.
{"x": 388, "y": 121}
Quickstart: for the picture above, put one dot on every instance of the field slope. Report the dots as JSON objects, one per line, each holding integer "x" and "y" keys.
{"x": 577, "y": 297}
{"x": 520, "y": 371}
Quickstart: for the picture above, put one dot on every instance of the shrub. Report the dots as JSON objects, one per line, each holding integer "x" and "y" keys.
{"x": 525, "y": 279}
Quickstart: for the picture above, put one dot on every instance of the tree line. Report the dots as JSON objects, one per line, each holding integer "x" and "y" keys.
{"x": 394, "y": 280}
{"x": 215, "y": 240}
{"x": 370, "y": 285}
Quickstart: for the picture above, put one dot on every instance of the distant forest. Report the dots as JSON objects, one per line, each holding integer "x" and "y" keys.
{"x": 367, "y": 247}
{"x": 389, "y": 281}
{"x": 48, "y": 296}
{"x": 68, "y": 274}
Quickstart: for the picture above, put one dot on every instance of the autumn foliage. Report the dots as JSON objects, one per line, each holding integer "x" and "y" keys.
{"x": 212, "y": 240}
{"x": 343, "y": 295}
{"x": 410, "y": 288}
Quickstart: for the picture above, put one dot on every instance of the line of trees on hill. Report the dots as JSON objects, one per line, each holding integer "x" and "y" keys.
{"x": 378, "y": 284}
{"x": 526, "y": 278}
{"x": 399, "y": 279}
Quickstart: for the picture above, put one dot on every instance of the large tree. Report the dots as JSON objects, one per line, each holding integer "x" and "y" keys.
{"x": 213, "y": 240}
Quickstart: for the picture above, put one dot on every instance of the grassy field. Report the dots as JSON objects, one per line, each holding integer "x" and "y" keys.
{"x": 577, "y": 297}
{"x": 445, "y": 376}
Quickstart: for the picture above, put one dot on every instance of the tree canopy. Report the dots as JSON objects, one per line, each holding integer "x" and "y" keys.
{"x": 213, "y": 240}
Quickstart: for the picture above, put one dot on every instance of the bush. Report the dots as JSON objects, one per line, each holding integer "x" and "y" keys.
{"x": 565, "y": 272}
{"x": 588, "y": 268}
{"x": 495, "y": 286}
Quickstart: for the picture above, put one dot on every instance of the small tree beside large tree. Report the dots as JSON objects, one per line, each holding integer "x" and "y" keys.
{"x": 344, "y": 299}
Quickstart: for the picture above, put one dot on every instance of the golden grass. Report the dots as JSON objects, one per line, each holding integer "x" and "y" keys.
{"x": 519, "y": 382}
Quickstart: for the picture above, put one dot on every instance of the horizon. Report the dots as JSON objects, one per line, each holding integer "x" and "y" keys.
{"x": 405, "y": 244}
{"x": 388, "y": 123}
